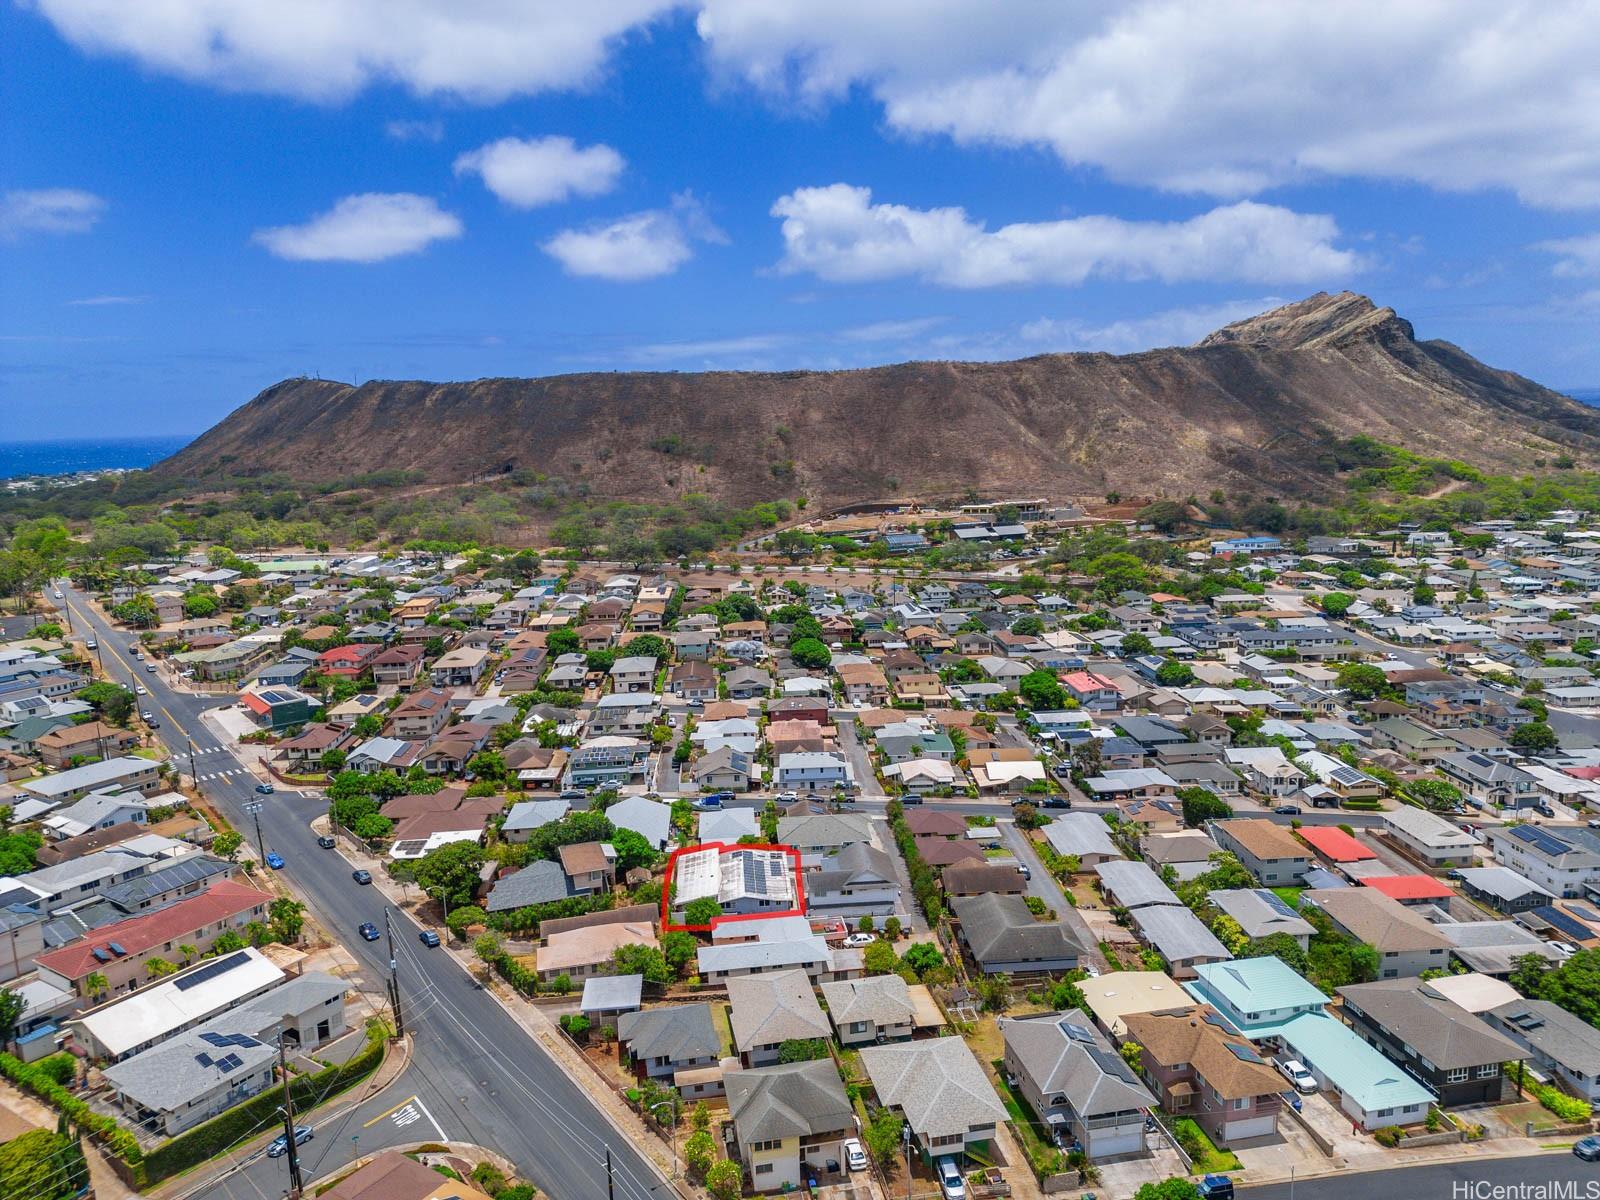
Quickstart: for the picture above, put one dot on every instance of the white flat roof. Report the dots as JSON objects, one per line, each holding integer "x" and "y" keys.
{"x": 193, "y": 995}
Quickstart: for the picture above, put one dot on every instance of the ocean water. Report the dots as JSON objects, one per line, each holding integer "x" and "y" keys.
{"x": 89, "y": 454}
{"x": 1587, "y": 395}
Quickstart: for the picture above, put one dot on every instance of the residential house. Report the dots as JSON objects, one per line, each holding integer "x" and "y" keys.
{"x": 941, "y": 1091}
{"x": 1407, "y": 944}
{"x": 723, "y": 770}
{"x": 1268, "y": 851}
{"x": 590, "y": 867}
{"x": 814, "y": 772}
{"x": 1447, "y": 1048}
{"x": 421, "y": 715}
{"x": 1003, "y": 937}
{"x": 1565, "y": 862}
{"x": 661, "y": 1042}
{"x": 94, "y": 739}
{"x": 871, "y": 1010}
{"x": 1438, "y": 843}
{"x": 770, "y": 1009}
{"x": 1132, "y": 885}
{"x": 1076, "y": 1082}
{"x": 819, "y": 833}
{"x": 1262, "y": 913}
{"x": 1082, "y": 835}
{"x": 854, "y": 881}
{"x": 1256, "y": 995}
{"x": 980, "y": 878}
{"x": 694, "y": 681}
{"x": 398, "y": 665}
{"x": 461, "y": 667}
{"x": 747, "y": 683}
{"x": 1491, "y": 782}
{"x": 1204, "y": 1071}
{"x": 189, "y": 1078}
{"x": 128, "y": 773}
{"x": 789, "y": 1121}
{"x": 1179, "y": 937}
{"x": 1502, "y": 889}
{"x": 635, "y": 673}
{"x": 1554, "y": 1041}
{"x": 580, "y": 953}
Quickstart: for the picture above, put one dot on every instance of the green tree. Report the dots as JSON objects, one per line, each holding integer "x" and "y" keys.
{"x": 810, "y": 653}
{"x": 1132, "y": 1054}
{"x": 1042, "y": 690}
{"x": 96, "y": 985}
{"x": 923, "y": 957}
{"x": 795, "y": 1050}
{"x": 288, "y": 918}
{"x": 1173, "y": 673}
{"x": 699, "y": 1152}
{"x": 881, "y": 1137}
{"x": 42, "y": 1164}
{"x": 680, "y": 950}
{"x": 1362, "y": 680}
{"x": 19, "y": 851}
{"x": 1168, "y": 1189}
{"x": 159, "y": 966}
{"x": 227, "y": 844}
{"x": 227, "y": 942}
{"x": 702, "y": 911}
{"x": 487, "y": 764}
{"x": 201, "y": 604}
{"x": 724, "y": 1180}
{"x": 12, "y": 1004}
{"x": 1136, "y": 644}
{"x": 633, "y": 850}
{"x": 1434, "y": 794}
{"x": 561, "y": 641}
{"x": 879, "y": 958}
{"x": 1277, "y": 945}
{"x": 1535, "y": 737}
{"x": 639, "y": 959}
{"x": 111, "y": 701}
{"x": 1336, "y": 604}
{"x": 451, "y": 869}
{"x": 1201, "y": 805}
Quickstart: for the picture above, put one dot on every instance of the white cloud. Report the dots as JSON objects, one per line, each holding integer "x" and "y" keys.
{"x": 529, "y": 172}
{"x": 741, "y": 348}
{"x": 642, "y": 245}
{"x": 481, "y": 50}
{"x": 838, "y": 234}
{"x": 1225, "y": 98}
{"x": 1173, "y": 327}
{"x": 102, "y": 301}
{"x": 415, "y": 131}
{"x": 1579, "y": 256}
{"x": 366, "y": 228}
{"x": 890, "y": 331}
{"x": 49, "y": 210}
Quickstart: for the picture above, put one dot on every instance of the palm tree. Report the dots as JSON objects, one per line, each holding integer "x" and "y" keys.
{"x": 188, "y": 951}
{"x": 96, "y": 985}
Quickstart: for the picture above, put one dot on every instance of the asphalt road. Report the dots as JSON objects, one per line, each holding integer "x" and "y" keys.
{"x": 475, "y": 1071}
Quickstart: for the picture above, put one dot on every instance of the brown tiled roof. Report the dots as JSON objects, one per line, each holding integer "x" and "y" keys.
{"x": 1190, "y": 1038}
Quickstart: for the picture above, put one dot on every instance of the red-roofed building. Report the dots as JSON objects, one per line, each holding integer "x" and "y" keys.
{"x": 122, "y": 951}
{"x": 347, "y": 661}
{"x": 1334, "y": 845}
{"x": 1092, "y": 691}
{"x": 1410, "y": 889}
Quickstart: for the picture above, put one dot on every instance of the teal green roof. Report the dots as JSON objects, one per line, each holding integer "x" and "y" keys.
{"x": 1257, "y": 985}
{"x": 1350, "y": 1064}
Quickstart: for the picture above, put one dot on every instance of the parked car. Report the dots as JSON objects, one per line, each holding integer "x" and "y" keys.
{"x": 361, "y": 875}
{"x": 429, "y": 939}
{"x": 139, "y": 689}
{"x": 857, "y": 940}
{"x": 1287, "y": 810}
{"x": 951, "y": 1185}
{"x": 854, "y": 1156}
{"x": 1056, "y": 801}
{"x": 91, "y": 644}
{"x": 326, "y": 842}
{"x": 1026, "y": 872}
{"x": 1216, "y": 1187}
{"x": 149, "y": 666}
{"x": 148, "y": 717}
{"x": 1295, "y": 1072}
{"x": 280, "y": 1147}
{"x": 275, "y": 860}
{"x": 369, "y": 931}
{"x": 1587, "y": 1148}
{"x": 266, "y": 789}
{"x": 58, "y": 593}
{"x": 713, "y": 801}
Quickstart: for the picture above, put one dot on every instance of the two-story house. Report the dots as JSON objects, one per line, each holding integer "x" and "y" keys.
{"x": 1077, "y": 1082}
{"x": 789, "y": 1121}
{"x": 1203, "y": 1071}
{"x": 874, "y": 1009}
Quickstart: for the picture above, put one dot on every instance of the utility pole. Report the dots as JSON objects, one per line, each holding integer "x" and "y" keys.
{"x": 194, "y": 771}
{"x": 905, "y": 1136}
{"x": 611, "y": 1191}
{"x": 444, "y": 902}
{"x": 394, "y": 977}
{"x": 253, "y": 807}
{"x": 295, "y": 1182}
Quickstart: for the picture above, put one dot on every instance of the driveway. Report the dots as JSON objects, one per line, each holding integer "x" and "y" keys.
{"x": 1043, "y": 885}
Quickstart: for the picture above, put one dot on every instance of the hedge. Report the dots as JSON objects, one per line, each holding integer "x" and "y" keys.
{"x": 40, "y": 1080}
{"x": 205, "y": 1141}
{"x": 1568, "y": 1108}
{"x": 523, "y": 920}
{"x": 513, "y": 972}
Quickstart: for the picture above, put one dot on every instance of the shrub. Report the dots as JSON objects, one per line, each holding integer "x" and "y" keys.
{"x": 1568, "y": 1108}
{"x": 42, "y": 1084}
{"x": 1389, "y": 1136}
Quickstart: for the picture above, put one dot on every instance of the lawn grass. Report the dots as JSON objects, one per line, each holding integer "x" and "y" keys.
{"x": 1041, "y": 1152}
{"x": 1289, "y": 895}
{"x": 1212, "y": 1160}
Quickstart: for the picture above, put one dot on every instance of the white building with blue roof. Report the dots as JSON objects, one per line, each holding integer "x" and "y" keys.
{"x": 1373, "y": 1092}
{"x": 1256, "y": 995}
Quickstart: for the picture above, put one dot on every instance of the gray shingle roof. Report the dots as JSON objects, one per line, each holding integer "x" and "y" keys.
{"x": 183, "y": 1068}
{"x": 1066, "y": 1055}
{"x": 880, "y": 999}
{"x": 1000, "y": 928}
{"x": 791, "y": 1100}
{"x": 679, "y": 1033}
{"x": 1443, "y": 1033}
{"x": 937, "y": 1084}
{"x": 537, "y": 883}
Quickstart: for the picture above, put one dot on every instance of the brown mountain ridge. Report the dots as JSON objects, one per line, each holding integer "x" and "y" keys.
{"x": 1250, "y": 408}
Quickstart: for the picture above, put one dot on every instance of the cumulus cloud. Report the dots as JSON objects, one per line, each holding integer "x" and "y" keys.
{"x": 1578, "y": 257}
{"x": 481, "y": 50}
{"x": 529, "y": 172}
{"x": 366, "y": 228}
{"x": 642, "y": 245}
{"x": 48, "y": 210}
{"x": 838, "y": 234}
{"x": 1172, "y": 327}
{"x": 415, "y": 131}
{"x": 1226, "y": 98}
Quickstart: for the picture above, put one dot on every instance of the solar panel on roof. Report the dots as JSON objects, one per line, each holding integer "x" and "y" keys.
{"x": 1568, "y": 925}
{"x": 230, "y": 1063}
{"x": 1540, "y": 839}
{"x": 1527, "y": 1020}
{"x": 203, "y": 1059}
{"x": 1214, "y": 1018}
{"x": 100, "y": 955}
{"x": 1584, "y": 911}
{"x": 1243, "y": 1053}
{"x": 1276, "y": 903}
{"x": 211, "y": 970}
{"x": 216, "y": 1039}
{"x": 117, "y": 948}
{"x": 1077, "y": 1032}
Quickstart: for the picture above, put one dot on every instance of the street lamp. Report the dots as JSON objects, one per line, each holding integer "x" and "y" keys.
{"x": 672, "y": 1130}
{"x": 253, "y": 808}
{"x": 905, "y": 1136}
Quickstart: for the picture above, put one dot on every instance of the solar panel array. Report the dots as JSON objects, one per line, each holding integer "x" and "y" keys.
{"x": 1568, "y": 925}
{"x": 1243, "y": 1053}
{"x": 211, "y": 970}
{"x": 228, "y": 1039}
{"x": 1077, "y": 1033}
{"x": 1276, "y": 902}
{"x": 1540, "y": 840}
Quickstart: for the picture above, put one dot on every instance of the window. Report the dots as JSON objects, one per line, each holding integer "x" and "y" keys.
{"x": 763, "y": 1168}
{"x": 1488, "y": 1070}
{"x": 1456, "y": 1075}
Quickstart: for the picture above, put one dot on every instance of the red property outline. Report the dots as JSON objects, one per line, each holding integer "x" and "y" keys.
{"x": 667, "y": 926}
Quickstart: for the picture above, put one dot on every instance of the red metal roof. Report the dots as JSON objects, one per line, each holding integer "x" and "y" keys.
{"x": 1409, "y": 887}
{"x": 136, "y": 935}
{"x": 1334, "y": 844}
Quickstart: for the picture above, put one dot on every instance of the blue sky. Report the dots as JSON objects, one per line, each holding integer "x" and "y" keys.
{"x": 197, "y": 200}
